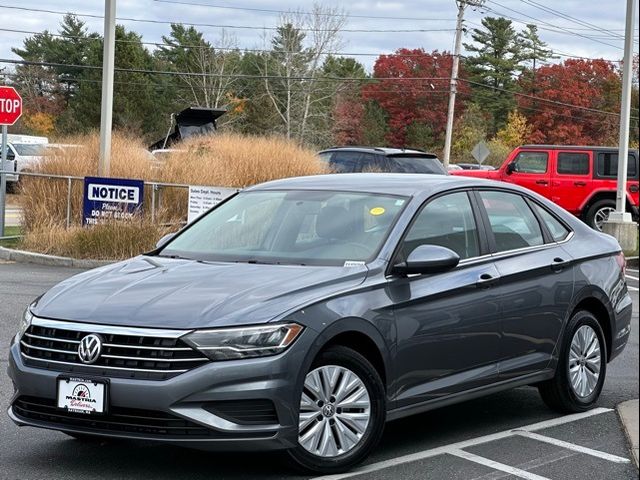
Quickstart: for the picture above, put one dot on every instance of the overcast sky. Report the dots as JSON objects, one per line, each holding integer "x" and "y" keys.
{"x": 583, "y": 40}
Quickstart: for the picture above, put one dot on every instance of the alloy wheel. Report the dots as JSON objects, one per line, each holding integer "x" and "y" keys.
{"x": 601, "y": 216}
{"x": 335, "y": 410}
{"x": 584, "y": 361}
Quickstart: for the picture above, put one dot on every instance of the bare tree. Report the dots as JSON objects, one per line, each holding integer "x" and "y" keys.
{"x": 292, "y": 70}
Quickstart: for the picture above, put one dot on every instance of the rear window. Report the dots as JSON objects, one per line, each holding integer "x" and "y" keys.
{"x": 572, "y": 163}
{"x": 512, "y": 222}
{"x": 607, "y": 165}
{"x": 405, "y": 164}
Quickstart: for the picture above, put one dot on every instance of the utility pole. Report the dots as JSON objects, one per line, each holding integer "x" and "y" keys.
{"x": 620, "y": 224}
{"x": 106, "y": 107}
{"x": 625, "y": 111}
{"x": 462, "y": 4}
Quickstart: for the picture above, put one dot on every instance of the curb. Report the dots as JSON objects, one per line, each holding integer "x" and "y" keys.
{"x": 22, "y": 256}
{"x": 628, "y": 412}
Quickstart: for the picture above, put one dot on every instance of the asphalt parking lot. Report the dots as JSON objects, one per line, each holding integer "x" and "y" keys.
{"x": 503, "y": 436}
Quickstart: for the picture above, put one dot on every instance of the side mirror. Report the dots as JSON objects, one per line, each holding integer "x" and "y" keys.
{"x": 164, "y": 240}
{"x": 428, "y": 259}
{"x": 511, "y": 168}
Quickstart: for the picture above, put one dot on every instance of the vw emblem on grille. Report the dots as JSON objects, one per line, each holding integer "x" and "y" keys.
{"x": 90, "y": 348}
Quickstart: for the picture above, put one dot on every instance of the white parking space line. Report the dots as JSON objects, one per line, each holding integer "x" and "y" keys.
{"x": 632, "y": 278}
{"x": 433, "y": 452}
{"x": 633, "y": 289}
{"x": 571, "y": 446}
{"x": 496, "y": 465}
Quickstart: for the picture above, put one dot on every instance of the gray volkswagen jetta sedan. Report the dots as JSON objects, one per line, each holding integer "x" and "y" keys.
{"x": 302, "y": 314}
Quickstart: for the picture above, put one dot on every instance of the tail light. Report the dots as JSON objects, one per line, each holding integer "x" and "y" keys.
{"x": 622, "y": 262}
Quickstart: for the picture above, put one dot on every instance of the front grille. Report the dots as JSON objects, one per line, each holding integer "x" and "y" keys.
{"x": 47, "y": 345}
{"x": 245, "y": 412}
{"x": 119, "y": 420}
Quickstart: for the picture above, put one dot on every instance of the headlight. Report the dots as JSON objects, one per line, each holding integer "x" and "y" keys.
{"x": 25, "y": 323}
{"x": 244, "y": 342}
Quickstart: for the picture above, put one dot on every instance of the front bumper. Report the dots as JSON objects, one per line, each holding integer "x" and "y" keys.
{"x": 188, "y": 399}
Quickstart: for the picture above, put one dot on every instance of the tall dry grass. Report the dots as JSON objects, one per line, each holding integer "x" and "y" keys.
{"x": 233, "y": 160}
{"x": 44, "y": 201}
{"x": 225, "y": 160}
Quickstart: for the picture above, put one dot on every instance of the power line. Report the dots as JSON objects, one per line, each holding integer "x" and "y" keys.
{"x": 241, "y": 27}
{"x": 319, "y": 79}
{"x": 555, "y": 28}
{"x": 324, "y": 14}
{"x": 215, "y": 47}
{"x": 573, "y": 19}
{"x": 541, "y": 99}
{"x": 214, "y": 75}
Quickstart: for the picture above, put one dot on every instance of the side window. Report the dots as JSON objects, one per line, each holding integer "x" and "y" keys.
{"x": 571, "y": 163}
{"x": 513, "y": 223}
{"x": 374, "y": 163}
{"x": 558, "y": 231}
{"x": 531, "y": 162}
{"x": 448, "y": 222}
{"x": 607, "y": 165}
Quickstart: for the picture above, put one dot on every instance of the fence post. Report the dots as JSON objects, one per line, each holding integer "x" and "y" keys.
{"x": 153, "y": 203}
{"x": 68, "y": 202}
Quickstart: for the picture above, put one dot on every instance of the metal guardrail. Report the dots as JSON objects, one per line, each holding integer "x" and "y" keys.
{"x": 156, "y": 189}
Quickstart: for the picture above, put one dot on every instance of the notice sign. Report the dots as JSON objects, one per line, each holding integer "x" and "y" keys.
{"x": 202, "y": 199}
{"x": 107, "y": 199}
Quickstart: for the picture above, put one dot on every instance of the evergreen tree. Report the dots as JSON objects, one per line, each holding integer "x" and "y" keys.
{"x": 533, "y": 52}
{"x": 493, "y": 68}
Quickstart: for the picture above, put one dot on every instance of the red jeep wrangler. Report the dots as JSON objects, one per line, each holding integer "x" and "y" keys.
{"x": 582, "y": 180}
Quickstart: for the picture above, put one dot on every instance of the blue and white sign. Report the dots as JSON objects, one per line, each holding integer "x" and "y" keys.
{"x": 107, "y": 199}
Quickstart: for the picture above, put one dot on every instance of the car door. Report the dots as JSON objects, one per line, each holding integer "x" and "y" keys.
{"x": 530, "y": 169}
{"x": 572, "y": 180}
{"x": 447, "y": 323}
{"x": 536, "y": 281}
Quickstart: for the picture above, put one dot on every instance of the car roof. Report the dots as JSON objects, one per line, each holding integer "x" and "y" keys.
{"x": 407, "y": 184}
{"x": 574, "y": 147}
{"x": 381, "y": 151}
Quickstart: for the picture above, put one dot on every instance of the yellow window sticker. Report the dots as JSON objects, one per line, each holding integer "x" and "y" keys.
{"x": 377, "y": 211}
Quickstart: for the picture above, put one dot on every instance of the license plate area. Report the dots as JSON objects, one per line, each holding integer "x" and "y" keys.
{"x": 82, "y": 395}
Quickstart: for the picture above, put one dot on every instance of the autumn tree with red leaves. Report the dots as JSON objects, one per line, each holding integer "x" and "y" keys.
{"x": 591, "y": 84}
{"x": 412, "y": 90}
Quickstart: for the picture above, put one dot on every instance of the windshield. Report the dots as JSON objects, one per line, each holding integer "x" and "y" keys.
{"x": 405, "y": 164}
{"x": 28, "y": 149}
{"x": 291, "y": 227}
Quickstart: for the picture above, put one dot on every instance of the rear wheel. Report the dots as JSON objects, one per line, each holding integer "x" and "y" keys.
{"x": 581, "y": 368}
{"x": 342, "y": 412}
{"x": 599, "y": 213}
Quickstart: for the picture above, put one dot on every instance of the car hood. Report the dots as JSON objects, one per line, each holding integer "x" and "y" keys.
{"x": 171, "y": 293}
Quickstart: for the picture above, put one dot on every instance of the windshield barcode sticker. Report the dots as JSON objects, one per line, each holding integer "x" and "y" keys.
{"x": 353, "y": 263}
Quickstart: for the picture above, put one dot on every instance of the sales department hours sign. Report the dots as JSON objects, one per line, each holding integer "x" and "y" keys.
{"x": 111, "y": 199}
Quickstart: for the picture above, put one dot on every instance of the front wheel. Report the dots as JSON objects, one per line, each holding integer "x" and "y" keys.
{"x": 581, "y": 369}
{"x": 342, "y": 412}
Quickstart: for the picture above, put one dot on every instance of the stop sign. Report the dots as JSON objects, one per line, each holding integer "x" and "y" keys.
{"x": 10, "y": 106}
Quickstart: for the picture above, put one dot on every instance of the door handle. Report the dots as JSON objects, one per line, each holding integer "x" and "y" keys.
{"x": 542, "y": 182}
{"x": 486, "y": 280}
{"x": 580, "y": 184}
{"x": 558, "y": 264}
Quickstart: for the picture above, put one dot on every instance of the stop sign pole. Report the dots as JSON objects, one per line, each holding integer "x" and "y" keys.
{"x": 10, "y": 112}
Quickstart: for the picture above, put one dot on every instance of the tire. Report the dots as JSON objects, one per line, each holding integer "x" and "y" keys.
{"x": 342, "y": 362}
{"x": 595, "y": 212}
{"x": 561, "y": 393}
